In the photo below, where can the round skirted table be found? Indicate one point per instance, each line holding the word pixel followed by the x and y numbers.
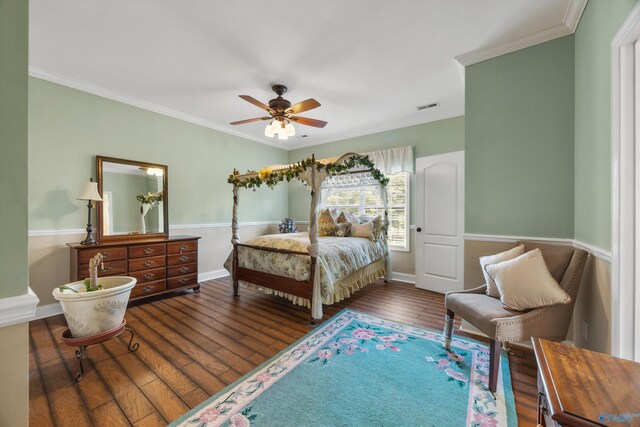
pixel 84 342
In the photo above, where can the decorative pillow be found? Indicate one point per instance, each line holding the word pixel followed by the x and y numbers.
pixel 342 219
pixel 362 230
pixel 351 218
pixel 492 290
pixel 364 218
pixel 377 226
pixel 525 282
pixel 343 229
pixel 326 225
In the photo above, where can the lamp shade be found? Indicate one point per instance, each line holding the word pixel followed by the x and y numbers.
pixel 90 192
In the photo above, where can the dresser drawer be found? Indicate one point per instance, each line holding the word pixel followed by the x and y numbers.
pixel 137 264
pixel 148 288
pixel 108 268
pixel 182 247
pixel 176 282
pixel 180 270
pixel 147 250
pixel 178 259
pixel 109 254
pixel 144 276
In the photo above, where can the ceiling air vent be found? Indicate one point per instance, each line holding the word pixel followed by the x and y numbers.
pixel 427 106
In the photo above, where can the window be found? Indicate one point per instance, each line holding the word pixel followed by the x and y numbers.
pixel 365 200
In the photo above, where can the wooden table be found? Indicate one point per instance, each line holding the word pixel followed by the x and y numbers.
pixel 578 387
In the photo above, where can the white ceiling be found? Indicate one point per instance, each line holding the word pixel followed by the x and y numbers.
pixel 368 62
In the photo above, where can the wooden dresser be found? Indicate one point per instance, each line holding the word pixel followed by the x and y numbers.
pixel 580 388
pixel 159 265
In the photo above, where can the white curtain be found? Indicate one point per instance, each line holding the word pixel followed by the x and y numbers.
pixel 393 160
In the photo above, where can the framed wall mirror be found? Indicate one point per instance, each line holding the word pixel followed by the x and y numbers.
pixel 135 204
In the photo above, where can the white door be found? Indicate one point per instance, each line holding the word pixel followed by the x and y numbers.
pixel 440 222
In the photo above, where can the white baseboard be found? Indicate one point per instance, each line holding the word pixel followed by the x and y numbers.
pixel 403 277
pixel 48 310
pixel 210 275
pixel 18 309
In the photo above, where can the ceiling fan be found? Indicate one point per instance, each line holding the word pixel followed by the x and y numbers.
pixel 281 114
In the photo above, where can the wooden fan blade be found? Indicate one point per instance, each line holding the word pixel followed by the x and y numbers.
pixel 255 102
pixel 306 105
pixel 309 122
pixel 257 119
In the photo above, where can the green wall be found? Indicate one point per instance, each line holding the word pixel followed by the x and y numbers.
pixel 599 24
pixel 68 128
pixel 13 146
pixel 519 168
pixel 427 139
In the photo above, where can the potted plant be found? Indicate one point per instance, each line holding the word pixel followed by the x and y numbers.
pixel 93 306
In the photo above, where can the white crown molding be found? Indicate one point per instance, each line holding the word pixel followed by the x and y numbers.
pixel 139 103
pixel 574 12
pixel 18 309
pixel 495 238
pixel 572 16
pixel 76 231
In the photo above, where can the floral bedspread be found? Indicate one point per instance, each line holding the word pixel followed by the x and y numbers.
pixel 339 257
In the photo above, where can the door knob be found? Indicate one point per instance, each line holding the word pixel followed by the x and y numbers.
pixel 419 229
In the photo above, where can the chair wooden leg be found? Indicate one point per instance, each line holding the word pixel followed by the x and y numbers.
pixel 494 364
pixel 448 329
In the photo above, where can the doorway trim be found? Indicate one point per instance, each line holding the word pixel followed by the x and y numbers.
pixel 625 167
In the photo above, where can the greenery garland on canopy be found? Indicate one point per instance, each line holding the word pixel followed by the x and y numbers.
pixel 272 178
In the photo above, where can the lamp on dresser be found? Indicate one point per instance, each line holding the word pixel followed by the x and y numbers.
pixel 90 194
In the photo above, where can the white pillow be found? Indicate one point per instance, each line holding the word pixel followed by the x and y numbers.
pixel 362 230
pixel 525 282
pixel 492 290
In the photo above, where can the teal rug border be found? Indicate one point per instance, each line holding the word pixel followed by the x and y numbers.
pixel 504 361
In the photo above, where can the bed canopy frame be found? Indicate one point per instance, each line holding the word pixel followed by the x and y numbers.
pixel 313 173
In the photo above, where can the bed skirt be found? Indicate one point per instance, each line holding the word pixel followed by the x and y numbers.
pixel 342 289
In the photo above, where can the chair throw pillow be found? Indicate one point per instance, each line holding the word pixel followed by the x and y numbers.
pixel 525 282
pixel 326 225
pixel 362 230
pixel 492 290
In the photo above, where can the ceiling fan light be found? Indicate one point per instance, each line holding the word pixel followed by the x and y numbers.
pixel 269 131
pixel 282 136
pixel 290 130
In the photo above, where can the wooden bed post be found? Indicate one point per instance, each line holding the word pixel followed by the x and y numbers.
pixel 235 239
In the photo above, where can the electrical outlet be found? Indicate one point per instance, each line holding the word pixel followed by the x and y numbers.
pixel 585 330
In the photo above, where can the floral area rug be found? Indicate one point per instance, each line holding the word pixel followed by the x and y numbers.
pixel 360 370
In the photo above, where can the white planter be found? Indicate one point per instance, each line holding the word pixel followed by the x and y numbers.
pixel 91 313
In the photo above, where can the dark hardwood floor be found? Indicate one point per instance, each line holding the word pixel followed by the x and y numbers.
pixel 193 345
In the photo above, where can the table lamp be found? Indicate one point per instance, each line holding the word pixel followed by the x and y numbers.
pixel 90 194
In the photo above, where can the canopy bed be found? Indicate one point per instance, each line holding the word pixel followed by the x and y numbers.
pixel 308 269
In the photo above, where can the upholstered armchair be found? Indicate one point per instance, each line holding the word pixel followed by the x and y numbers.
pixel 500 324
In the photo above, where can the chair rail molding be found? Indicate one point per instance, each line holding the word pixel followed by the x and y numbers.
pixel 594 250
pixel 73 231
pixel 18 309
pixel 625 170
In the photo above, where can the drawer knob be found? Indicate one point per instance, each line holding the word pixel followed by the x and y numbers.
pixel 184 269
pixel 183 247
pixel 148 263
pixel 184 258
pixel 147 288
pixel 183 281
pixel 106 268
pixel 148 276
pixel 106 254
pixel 148 251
